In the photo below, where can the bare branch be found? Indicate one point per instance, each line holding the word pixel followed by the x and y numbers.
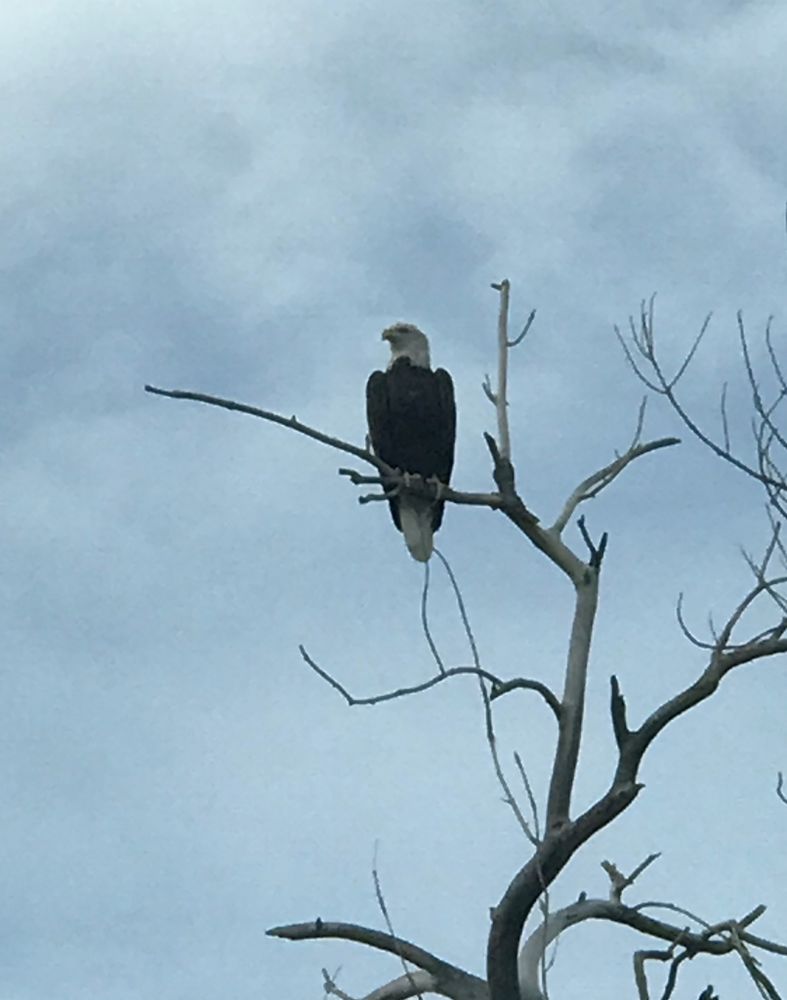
pixel 758 570
pixel 644 342
pixel 501 395
pixel 666 955
pixel 699 643
pixel 425 622
pixel 499 688
pixel 617 710
pixel 291 422
pixel 687 361
pixel 724 422
pixel 512 506
pixel 330 987
pixel 710 940
pixel 389 477
pixel 399 692
pixel 420 487
pixel 573 701
pixel 642 866
pixel 619 881
pixel 523 334
pixel 530 796
pixel 509 796
pixel 774 358
pixel 593 484
pixel 761 587
pixel 765 412
pixel 449 979
pixel 486 385
pixel 720 664
pixel 358 479
pixel 775 527
pixel 780 788
pixel 378 892
pixel 674 908
pixel 413 984
pixel 596 551
pixel 564 836
pixel 526 684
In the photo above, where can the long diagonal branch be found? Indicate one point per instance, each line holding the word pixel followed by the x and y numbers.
pixel 291 422
pixel 388 476
pixel 453 981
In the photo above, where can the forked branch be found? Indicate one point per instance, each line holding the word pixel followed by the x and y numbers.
pixel 720 938
pixel 498 397
pixel 768 434
pixel 593 484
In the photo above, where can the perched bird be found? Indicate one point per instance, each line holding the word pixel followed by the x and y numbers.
pixel 412 425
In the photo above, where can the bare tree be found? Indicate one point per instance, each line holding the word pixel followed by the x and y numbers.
pixel 516 969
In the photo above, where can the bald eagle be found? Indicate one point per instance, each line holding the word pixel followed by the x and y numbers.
pixel 412 425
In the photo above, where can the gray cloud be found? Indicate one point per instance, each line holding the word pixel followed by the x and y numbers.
pixel 237 200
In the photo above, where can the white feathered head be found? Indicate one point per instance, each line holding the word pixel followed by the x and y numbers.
pixel 407 341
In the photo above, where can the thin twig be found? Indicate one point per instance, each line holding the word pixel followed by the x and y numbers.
pixel 774 357
pixel 330 987
pixel 510 798
pixel 699 643
pixel 620 882
pixel 724 422
pixel 523 334
pixel 425 622
pixel 687 360
pixel 644 342
pixel 399 692
pixel 378 892
pixel 529 792
pixel 527 684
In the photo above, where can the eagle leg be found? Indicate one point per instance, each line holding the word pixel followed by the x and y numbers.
pixel 411 478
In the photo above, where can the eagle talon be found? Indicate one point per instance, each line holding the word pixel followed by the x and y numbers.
pixel 439 486
pixel 394 491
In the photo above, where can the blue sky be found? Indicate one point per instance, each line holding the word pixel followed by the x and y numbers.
pixel 236 200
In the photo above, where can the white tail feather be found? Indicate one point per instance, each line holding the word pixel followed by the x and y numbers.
pixel 416 521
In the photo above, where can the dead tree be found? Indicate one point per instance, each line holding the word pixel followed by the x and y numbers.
pixel 516 968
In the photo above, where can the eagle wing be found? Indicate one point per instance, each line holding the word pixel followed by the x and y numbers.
pixel 445 436
pixel 379 421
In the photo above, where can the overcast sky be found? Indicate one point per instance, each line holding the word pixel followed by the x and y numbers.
pixel 236 198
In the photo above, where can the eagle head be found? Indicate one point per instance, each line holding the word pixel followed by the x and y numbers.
pixel 407 341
